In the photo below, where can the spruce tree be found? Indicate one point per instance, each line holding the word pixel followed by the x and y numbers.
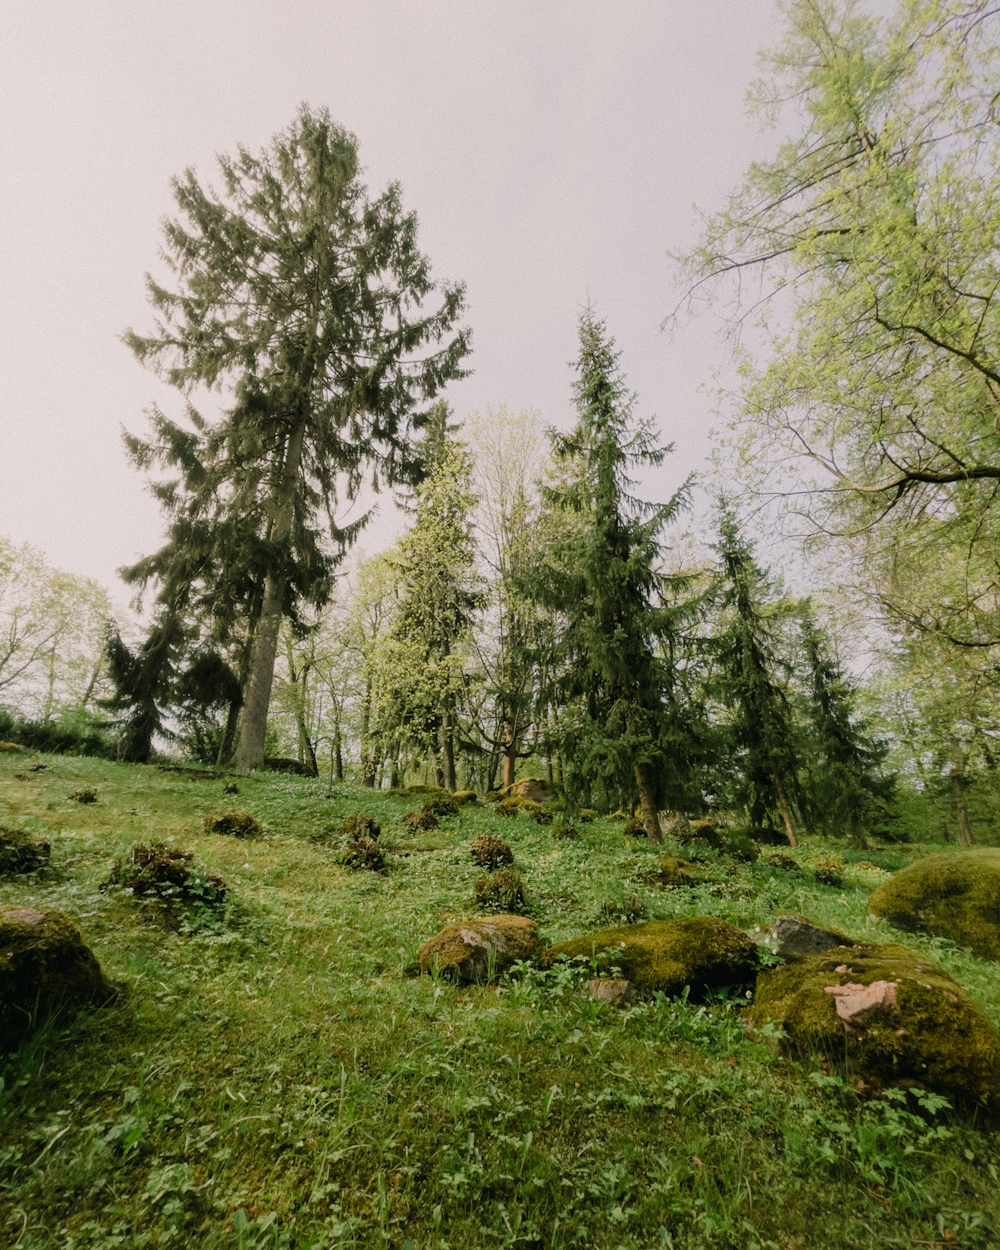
pixel 623 728
pixel 849 787
pixel 303 298
pixel 763 731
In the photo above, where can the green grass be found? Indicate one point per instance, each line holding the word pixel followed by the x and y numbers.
pixel 277 1079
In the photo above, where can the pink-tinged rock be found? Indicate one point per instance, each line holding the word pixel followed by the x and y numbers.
pixel 856 1004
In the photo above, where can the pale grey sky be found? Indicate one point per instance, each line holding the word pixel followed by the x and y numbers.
pixel 553 151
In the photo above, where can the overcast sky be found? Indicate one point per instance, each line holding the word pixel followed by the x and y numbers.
pixel 552 149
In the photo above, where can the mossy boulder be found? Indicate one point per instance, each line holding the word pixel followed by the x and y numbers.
pixel 233 824
pixel 45 965
pixel 886 1017
pixel 701 952
pixel 954 895
pixel 675 871
pixel 464 797
pixel 10 748
pixel 480 950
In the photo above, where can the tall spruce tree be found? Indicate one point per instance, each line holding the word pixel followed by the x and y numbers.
pixel 850 790
pixel 763 729
pixel 604 579
pixel 302 297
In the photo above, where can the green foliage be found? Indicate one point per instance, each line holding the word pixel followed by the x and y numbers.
pixel 165 873
pixel 21 853
pixel 489 851
pixel 501 891
pixel 624 727
pixel 362 852
pixel 361 824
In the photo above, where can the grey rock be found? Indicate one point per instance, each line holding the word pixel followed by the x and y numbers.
pixel 620 994
pixel 791 936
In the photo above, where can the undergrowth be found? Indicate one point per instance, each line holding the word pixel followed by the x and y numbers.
pixel 274 1077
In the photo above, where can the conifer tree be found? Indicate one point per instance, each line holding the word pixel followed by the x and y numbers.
pixel 848 785
pixel 603 577
pixel 763 730
pixel 438 595
pixel 303 298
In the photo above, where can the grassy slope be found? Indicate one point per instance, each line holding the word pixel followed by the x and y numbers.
pixel 280 1081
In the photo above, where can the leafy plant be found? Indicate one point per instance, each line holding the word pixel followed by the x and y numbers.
pixel 501 891
pixel 165 873
pixel 490 852
pixel 361 825
pixel 21 853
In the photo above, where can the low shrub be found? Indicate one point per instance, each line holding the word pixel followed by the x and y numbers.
pixel 232 824
pixel 542 816
pixel 165 873
pixel 362 853
pixel 741 847
pixel 83 796
pixel 361 825
pixel 501 891
pixel 423 820
pixel 828 869
pixel 634 828
pixel 780 860
pixel 57 737
pixel 21 853
pixel 442 805
pixel 586 815
pixel 565 831
pixel 623 910
pixel 489 851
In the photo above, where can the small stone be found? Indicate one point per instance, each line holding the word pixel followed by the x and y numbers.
pixel 620 994
pixel 856 1004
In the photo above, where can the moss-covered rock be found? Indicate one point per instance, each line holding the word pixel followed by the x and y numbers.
pixel 480 950
pixel 675 871
pixel 20 852
pixel 954 895
pixel 701 952
pixel 464 797
pixel 233 824
pixel 44 965
pixel 10 748
pixel 885 1016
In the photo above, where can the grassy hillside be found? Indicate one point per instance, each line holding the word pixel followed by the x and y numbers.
pixel 277 1077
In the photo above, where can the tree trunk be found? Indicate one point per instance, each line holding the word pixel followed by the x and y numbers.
pixel 650 820
pixel 338 752
pixel 786 814
pixel 448 748
pixel 253 722
pixel 509 746
pixel 958 785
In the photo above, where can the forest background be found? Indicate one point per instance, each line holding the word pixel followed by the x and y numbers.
pixel 858 694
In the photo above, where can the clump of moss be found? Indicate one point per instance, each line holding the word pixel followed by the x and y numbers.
pixel 424 820
pixel 703 832
pixel 233 824
pixel 21 853
pixel 443 805
pixel 361 825
pixel 783 861
pixel 565 831
pixel 954 895
pixel 742 847
pixel 634 828
pixel 501 891
pixel 927 1033
pixel 697 952
pixel 45 966
pixel 464 797
pixel 11 748
pixel 362 853
pixel 586 815
pixel 510 806
pixel 542 816
pixel 676 872
pixel 83 796
pixel 491 852
pixel 165 873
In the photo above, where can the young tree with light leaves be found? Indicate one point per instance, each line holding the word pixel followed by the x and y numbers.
pixel 863 257
pixel 308 303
